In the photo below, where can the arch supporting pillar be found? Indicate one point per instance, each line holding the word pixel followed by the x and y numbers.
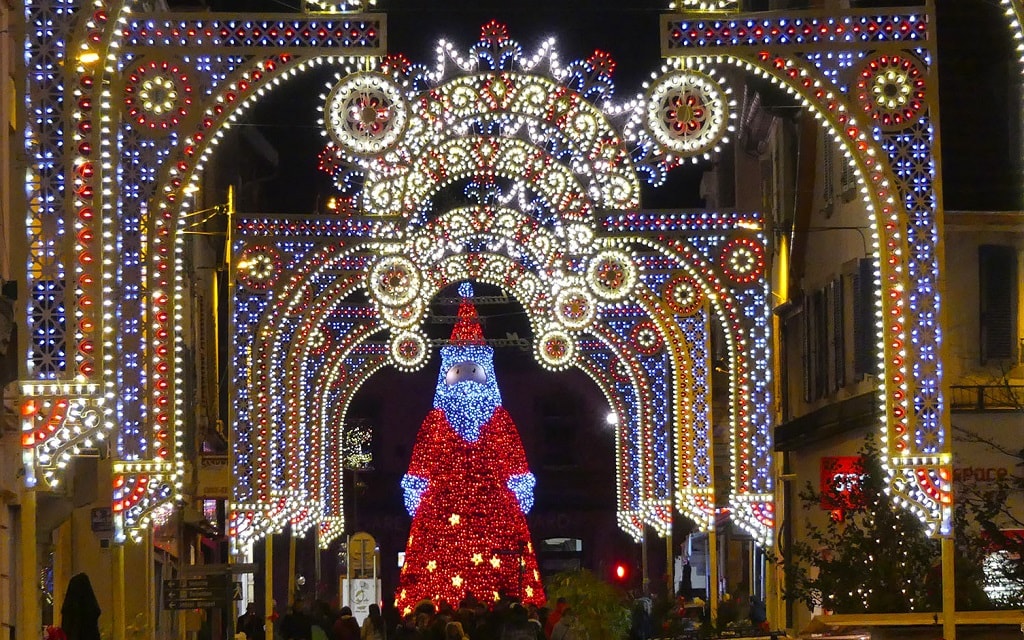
pixel 30 620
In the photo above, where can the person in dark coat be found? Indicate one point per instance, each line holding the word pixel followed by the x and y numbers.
pixel 251 624
pixel 80 613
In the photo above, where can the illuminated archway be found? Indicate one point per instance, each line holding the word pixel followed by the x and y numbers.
pixel 148 98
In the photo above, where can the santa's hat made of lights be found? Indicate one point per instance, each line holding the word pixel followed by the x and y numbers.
pixel 468 345
pixel 467 330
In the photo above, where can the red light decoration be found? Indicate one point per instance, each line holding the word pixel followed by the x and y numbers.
pixel 469 531
pixel 469 534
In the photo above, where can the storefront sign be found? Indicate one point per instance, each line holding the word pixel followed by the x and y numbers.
pixel 841 482
pixel 214 477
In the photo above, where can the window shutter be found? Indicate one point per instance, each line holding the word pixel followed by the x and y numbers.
pixel 838 335
pixel 807 359
pixel 865 333
pixel 997 293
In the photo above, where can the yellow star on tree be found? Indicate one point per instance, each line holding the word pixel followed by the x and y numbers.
pixel 495 562
pixel 454 519
pixel 457 580
pixel 431 566
pixel 497 597
pixel 529 591
pixel 478 558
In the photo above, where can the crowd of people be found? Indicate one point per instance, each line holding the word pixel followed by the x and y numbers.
pixel 472 619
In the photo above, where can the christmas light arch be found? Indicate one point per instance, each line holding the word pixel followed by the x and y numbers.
pixel 107 199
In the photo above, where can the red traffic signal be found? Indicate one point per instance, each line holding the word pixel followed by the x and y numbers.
pixel 621 572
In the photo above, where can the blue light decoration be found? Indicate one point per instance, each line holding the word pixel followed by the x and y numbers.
pixel 413 488
pixel 522 485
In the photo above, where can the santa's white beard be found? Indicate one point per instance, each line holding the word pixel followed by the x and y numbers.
pixel 468 406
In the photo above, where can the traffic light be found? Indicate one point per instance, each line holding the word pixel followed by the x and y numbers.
pixel 621 572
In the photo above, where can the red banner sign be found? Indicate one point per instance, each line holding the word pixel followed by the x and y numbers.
pixel 841 482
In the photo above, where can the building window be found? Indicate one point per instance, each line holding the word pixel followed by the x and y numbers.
pixel 997 300
pixel 825 322
pixel 865 333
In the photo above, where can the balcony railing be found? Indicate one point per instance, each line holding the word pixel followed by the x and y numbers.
pixel 996 397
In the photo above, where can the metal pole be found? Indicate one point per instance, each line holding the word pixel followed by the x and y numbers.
pixel 713 572
pixel 316 561
pixel 117 579
pixel 30 620
pixel 61 567
pixel 670 567
pixel 291 565
pixel 268 584
pixel 645 582
pixel 948 589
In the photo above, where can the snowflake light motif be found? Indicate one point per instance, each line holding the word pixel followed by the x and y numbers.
pixel 555 350
pixel 409 350
pixel 394 281
pixel 574 308
pixel 646 338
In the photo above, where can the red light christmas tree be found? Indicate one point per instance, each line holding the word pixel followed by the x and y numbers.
pixel 468 488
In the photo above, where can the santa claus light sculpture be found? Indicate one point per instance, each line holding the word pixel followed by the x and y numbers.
pixel 468 488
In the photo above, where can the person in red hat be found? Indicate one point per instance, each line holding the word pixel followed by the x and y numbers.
pixel 468 488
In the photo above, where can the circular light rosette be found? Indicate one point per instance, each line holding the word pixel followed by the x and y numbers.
pixel 157 96
pixel 555 350
pixel 575 308
pixel 618 370
pixel 365 114
pixel 683 295
pixel 687 113
pixel 259 267
pixel 612 275
pixel 394 281
pixel 646 338
pixel 409 350
pixel 320 342
pixel 891 90
pixel 403 317
pixel 742 260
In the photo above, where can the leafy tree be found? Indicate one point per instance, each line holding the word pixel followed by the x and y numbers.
pixel 870 557
pixel 600 607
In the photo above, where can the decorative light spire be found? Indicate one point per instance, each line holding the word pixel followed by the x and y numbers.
pixel 467 330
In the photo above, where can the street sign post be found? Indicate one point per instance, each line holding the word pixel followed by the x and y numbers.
pixel 201 592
